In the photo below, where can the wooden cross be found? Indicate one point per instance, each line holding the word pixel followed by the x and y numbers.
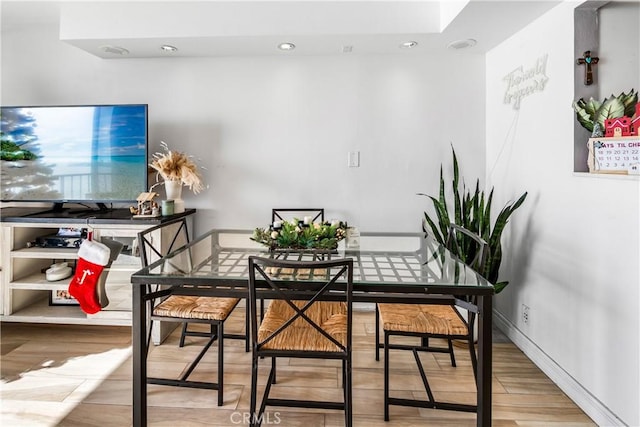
pixel 588 61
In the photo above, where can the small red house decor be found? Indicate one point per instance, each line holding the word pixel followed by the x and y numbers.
pixel 634 128
pixel 619 126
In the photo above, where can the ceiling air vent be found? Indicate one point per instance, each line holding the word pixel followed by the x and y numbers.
pixel 461 44
pixel 116 50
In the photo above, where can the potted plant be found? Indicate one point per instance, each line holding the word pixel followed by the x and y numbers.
pixel 176 166
pixel 592 114
pixel 473 212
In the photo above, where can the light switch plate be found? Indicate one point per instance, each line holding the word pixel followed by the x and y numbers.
pixel 353 159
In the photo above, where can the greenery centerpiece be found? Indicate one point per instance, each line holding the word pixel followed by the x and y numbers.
pixel 301 234
pixel 473 212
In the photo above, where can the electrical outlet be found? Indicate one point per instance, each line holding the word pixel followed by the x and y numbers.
pixel 525 313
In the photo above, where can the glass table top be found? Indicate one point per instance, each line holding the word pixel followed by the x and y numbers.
pixel 391 259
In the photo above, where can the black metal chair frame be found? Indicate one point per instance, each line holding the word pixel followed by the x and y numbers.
pixel 462 240
pixel 261 284
pixel 277 214
pixel 217 327
pixel 143 243
pixel 457 239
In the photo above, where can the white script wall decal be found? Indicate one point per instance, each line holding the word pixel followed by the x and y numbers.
pixel 522 83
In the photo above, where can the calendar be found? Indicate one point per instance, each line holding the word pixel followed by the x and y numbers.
pixel 614 155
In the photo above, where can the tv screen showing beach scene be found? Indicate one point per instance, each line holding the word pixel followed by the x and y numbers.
pixel 92 153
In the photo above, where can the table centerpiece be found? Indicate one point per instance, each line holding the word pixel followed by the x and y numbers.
pixel 301 234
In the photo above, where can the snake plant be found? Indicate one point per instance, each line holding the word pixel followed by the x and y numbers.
pixel 473 212
pixel 591 113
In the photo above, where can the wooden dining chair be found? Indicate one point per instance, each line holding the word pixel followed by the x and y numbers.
pixel 310 316
pixel 426 321
pixel 167 307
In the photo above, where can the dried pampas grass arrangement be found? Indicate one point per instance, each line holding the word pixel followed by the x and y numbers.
pixel 177 166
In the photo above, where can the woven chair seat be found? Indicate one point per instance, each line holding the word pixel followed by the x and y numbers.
pixel 300 335
pixel 193 307
pixel 300 273
pixel 422 318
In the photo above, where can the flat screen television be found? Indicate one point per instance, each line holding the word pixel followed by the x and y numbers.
pixel 80 153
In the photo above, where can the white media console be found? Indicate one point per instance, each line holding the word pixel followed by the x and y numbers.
pixel 25 293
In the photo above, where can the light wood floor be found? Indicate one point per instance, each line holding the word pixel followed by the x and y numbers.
pixel 81 376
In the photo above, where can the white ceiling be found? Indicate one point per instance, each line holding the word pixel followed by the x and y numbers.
pixel 232 28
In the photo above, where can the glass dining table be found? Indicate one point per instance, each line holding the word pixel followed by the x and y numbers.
pixel 388 267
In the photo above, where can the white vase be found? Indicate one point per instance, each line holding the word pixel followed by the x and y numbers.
pixel 173 190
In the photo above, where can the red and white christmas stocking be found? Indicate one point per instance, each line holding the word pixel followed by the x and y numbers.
pixel 92 257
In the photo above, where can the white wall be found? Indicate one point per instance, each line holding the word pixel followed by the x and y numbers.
pixel 619 69
pixel 275 131
pixel 573 249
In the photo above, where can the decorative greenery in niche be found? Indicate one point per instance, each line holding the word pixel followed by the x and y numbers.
pixel 473 212
pixel 592 114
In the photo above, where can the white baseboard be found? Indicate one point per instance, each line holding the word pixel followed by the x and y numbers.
pixel 593 407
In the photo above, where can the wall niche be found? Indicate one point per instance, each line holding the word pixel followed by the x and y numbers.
pixel 610 30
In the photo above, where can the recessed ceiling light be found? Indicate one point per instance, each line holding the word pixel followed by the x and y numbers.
pixel 286 46
pixel 461 44
pixel 116 50
pixel 168 48
pixel 409 44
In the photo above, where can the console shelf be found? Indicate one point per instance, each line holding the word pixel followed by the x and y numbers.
pixel 38 281
pixel 45 253
pixel 41 312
